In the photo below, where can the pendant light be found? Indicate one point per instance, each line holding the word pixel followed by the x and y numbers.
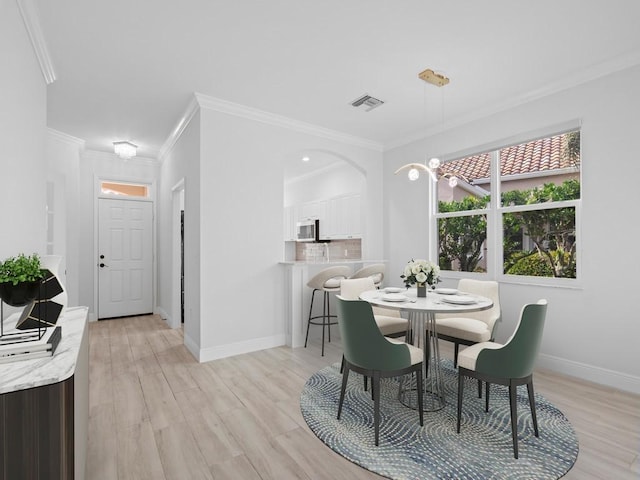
pixel 433 168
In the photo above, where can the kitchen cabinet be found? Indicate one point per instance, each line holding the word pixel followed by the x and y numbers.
pixel 343 219
pixel 314 210
pixel 290 220
pixel 297 213
pixel 340 217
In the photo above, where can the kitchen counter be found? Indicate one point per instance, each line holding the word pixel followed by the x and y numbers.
pixel 298 295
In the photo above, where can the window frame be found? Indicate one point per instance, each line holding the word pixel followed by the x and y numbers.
pixel 495 211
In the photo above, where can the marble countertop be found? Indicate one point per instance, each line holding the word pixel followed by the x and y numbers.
pixel 24 374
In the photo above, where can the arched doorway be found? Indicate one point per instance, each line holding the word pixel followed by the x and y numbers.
pixel 324 185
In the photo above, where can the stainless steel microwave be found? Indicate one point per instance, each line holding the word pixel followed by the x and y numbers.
pixel 308 231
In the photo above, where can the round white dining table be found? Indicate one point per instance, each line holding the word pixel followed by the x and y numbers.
pixel 422 319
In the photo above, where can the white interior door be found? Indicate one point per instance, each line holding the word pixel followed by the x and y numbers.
pixel 125 257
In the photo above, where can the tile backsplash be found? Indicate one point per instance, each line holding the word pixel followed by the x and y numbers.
pixel 337 250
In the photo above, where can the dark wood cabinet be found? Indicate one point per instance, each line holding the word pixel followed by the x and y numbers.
pixel 43 430
pixel 37 428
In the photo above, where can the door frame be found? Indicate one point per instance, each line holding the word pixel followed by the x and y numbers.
pixel 98 179
pixel 177 191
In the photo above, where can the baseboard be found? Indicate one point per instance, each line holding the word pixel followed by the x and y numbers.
pixel 229 350
pixel 192 347
pixel 603 376
pixel 164 315
pixel 92 317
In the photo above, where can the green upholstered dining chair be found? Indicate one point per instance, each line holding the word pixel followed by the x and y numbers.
pixel 371 354
pixel 390 322
pixel 510 364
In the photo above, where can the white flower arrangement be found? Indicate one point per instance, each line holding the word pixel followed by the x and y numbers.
pixel 420 272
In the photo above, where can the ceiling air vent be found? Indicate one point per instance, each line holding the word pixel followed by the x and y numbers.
pixel 368 101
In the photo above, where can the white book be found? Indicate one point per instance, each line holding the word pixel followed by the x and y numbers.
pixel 16 342
pixel 25 356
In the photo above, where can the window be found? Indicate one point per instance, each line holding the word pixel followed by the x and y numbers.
pixel 531 231
pixel 124 189
pixel 462 213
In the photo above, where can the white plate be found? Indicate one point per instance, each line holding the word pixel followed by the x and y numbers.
pixel 446 291
pixel 393 290
pixel 459 299
pixel 394 297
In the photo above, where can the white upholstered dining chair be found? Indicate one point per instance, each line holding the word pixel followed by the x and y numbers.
pixel 375 272
pixel 389 322
pixel 473 327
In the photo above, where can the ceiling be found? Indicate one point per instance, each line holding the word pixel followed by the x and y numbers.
pixel 127 70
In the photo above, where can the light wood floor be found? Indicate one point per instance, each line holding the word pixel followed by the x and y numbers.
pixel 155 413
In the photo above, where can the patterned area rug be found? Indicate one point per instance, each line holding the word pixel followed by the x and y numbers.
pixel 483 449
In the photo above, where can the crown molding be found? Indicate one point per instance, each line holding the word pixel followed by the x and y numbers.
pixel 32 24
pixel 211 103
pixel 171 141
pixel 230 108
pixel 586 75
pixel 63 137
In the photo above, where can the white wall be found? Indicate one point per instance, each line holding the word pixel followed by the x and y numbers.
pixel 63 169
pixel 182 163
pixel 592 331
pixel 241 218
pixel 337 180
pixel 94 165
pixel 22 134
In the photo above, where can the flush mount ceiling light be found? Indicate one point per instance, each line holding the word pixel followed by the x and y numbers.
pixel 368 101
pixel 305 158
pixel 125 150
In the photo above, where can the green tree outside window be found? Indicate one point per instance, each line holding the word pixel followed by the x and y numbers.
pixel 551 231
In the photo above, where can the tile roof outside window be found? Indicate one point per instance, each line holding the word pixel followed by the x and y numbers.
pixel 544 154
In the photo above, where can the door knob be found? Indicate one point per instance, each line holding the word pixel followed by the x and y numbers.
pixel 102 265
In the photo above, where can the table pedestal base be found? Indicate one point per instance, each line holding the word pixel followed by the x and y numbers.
pixel 422 326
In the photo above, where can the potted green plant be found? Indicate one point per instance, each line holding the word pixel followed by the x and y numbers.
pixel 20 278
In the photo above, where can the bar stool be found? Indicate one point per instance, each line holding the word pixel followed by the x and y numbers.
pixel 327 281
pixel 375 271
